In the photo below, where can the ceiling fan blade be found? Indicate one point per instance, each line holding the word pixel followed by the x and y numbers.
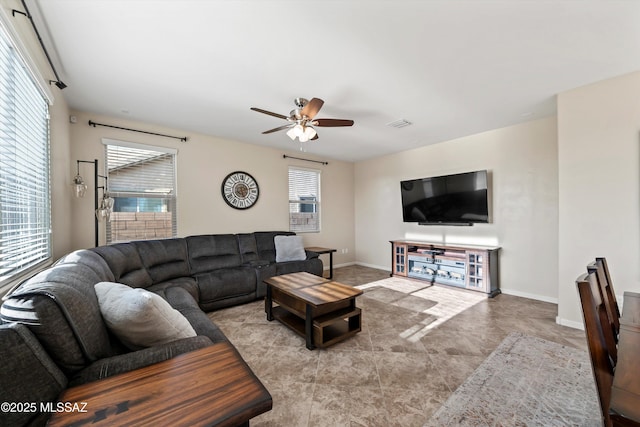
pixel 279 128
pixel 332 122
pixel 311 109
pixel 260 110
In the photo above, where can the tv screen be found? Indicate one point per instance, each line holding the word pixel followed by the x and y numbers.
pixel 457 199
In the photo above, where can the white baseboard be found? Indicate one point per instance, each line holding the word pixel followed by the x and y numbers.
pixel 345 264
pixel 377 267
pixel 570 323
pixel 528 295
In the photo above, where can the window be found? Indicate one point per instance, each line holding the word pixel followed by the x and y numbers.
pixel 141 180
pixel 304 200
pixel 25 207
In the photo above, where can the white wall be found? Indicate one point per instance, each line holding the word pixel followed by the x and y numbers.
pixel 599 189
pixel 522 162
pixel 202 163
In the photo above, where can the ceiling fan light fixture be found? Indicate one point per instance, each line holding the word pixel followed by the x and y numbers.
pixel 309 132
pixel 298 130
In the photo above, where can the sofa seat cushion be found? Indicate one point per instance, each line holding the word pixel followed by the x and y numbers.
pixel 189 284
pixel 140 318
pixel 182 301
pixel 225 283
pixel 110 366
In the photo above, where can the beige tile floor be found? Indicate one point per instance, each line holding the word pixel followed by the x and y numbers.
pixel 400 368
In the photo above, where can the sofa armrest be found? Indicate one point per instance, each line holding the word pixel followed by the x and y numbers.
pixel 110 366
pixel 311 254
pixel 28 376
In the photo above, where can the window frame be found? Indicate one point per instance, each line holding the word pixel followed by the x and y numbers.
pixel 172 196
pixel 316 204
pixel 22 74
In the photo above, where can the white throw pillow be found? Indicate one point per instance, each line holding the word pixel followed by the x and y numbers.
pixel 289 248
pixel 140 318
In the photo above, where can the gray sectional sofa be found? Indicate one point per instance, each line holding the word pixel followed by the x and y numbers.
pixel 53 334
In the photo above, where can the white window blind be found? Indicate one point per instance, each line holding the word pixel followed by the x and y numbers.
pixel 25 213
pixel 142 184
pixel 304 200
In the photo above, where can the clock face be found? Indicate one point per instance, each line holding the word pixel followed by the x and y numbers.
pixel 240 190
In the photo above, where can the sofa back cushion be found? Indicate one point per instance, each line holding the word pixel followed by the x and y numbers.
pixel 164 259
pixel 126 265
pixel 211 252
pixel 265 243
pixel 248 247
pixel 60 307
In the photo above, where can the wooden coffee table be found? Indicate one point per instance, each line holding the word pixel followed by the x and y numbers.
pixel 212 386
pixel 322 311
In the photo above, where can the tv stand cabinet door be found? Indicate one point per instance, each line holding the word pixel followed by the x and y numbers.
pixel 482 271
pixel 477 279
pixel 399 261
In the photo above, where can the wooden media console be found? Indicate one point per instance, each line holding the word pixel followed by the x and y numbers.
pixel 468 267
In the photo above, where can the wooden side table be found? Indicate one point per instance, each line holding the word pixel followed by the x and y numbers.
pixel 212 386
pixel 321 251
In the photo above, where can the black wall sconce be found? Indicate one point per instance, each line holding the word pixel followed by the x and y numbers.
pixel 102 207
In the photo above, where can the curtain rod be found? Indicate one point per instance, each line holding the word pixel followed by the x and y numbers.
pixel 284 156
pixel 57 82
pixel 94 124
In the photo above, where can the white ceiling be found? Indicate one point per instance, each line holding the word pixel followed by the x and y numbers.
pixel 452 68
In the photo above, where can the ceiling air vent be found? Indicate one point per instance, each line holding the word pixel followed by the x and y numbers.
pixel 400 123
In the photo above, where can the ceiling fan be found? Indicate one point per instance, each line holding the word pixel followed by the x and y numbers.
pixel 301 120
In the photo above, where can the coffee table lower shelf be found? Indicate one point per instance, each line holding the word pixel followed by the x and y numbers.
pixel 328 329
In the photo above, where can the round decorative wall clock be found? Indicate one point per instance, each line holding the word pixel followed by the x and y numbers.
pixel 240 190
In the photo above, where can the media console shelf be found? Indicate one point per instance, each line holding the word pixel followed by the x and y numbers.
pixel 468 267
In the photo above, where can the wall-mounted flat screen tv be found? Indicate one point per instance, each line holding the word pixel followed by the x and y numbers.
pixel 450 199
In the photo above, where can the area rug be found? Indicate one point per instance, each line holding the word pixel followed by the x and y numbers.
pixel 526 381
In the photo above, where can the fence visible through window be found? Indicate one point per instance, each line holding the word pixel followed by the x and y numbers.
pixel 142 184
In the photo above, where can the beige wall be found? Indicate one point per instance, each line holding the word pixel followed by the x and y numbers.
pixel 61 215
pixel 522 163
pixel 599 189
pixel 202 164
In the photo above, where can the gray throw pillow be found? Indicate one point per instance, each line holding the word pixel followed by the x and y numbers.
pixel 289 248
pixel 140 318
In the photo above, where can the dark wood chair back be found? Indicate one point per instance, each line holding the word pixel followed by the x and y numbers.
pixel 597 327
pixel 605 285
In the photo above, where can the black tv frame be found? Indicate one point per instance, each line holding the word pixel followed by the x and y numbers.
pixel 444 222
